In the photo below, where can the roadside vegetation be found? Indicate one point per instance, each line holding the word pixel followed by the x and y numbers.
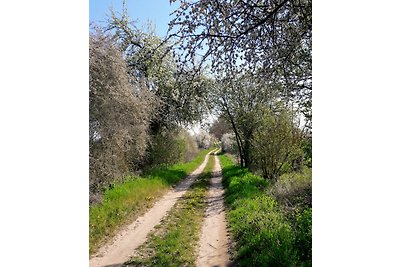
pixel 271 223
pixel 138 105
pixel 252 73
pixel 125 201
pixel 173 243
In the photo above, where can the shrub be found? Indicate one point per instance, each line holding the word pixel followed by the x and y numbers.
pixel 275 143
pixel 294 190
pixel 303 235
pixel 307 148
pixel 204 140
pixel 119 115
pixel 294 194
pixel 228 142
pixel 191 146
pixel 170 147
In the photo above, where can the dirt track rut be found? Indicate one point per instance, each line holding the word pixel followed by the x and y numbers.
pixel 213 245
pixel 120 249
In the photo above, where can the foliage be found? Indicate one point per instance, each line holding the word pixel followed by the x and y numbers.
pixel 174 242
pixel 169 147
pixel 260 54
pixel 203 139
pixel 240 100
pixel 276 142
pixel 135 99
pixel 307 148
pixel 294 195
pixel 303 235
pixel 127 200
pixel 151 62
pixel 191 149
pixel 264 234
pixel 269 39
pixel 220 127
pixel 119 115
pixel 293 190
pixel 227 142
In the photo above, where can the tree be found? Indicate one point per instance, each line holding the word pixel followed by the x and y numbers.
pixel 277 141
pixel 204 140
pixel 219 128
pixel 269 39
pixel 239 100
pixel 259 53
pixel 119 115
pixel 151 62
pixel 171 146
pixel 227 142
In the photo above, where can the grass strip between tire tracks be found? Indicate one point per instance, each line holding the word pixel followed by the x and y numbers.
pixel 174 241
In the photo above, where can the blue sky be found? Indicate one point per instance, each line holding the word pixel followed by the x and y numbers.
pixel 142 11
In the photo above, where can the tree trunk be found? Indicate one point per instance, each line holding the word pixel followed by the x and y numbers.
pixel 237 136
pixel 246 154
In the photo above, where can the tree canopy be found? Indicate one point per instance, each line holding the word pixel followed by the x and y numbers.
pixel 269 39
pixel 248 62
pixel 259 54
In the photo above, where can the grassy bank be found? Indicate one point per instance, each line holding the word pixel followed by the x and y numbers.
pixel 126 201
pixel 267 232
pixel 173 243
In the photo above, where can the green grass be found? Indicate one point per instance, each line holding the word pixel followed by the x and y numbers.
pixel 293 192
pixel 264 235
pixel 128 200
pixel 173 243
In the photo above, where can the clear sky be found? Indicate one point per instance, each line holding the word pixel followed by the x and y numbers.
pixel 142 11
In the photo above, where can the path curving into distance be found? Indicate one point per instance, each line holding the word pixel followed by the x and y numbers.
pixel 120 249
pixel 213 244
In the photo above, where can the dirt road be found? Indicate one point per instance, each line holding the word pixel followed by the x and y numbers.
pixel 213 249
pixel 126 241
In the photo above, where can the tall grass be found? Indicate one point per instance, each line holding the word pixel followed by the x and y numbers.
pixel 293 190
pixel 264 235
pixel 128 200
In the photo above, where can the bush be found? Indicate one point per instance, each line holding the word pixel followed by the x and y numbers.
pixel 228 142
pixel 303 235
pixel 191 146
pixel 276 144
pixel 294 190
pixel 307 148
pixel 204 140
pixel 170 147
pixel 119 116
